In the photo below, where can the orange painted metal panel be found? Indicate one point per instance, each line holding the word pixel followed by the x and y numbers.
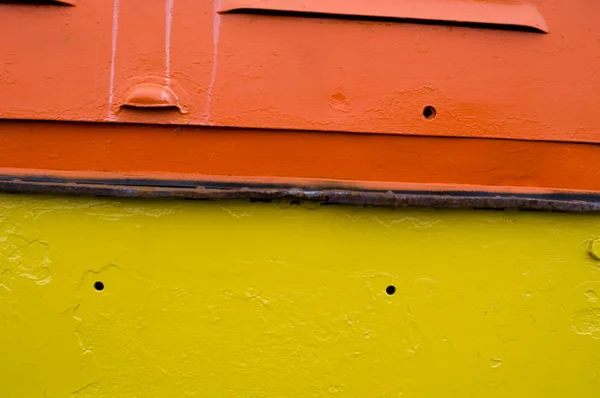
pixel 55 60
pixel 500 14
pixel 310 158
pixel 351 70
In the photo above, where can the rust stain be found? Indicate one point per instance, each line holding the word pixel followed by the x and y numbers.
pixel 473 200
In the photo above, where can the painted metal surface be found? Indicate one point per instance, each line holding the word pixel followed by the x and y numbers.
pixel 186 155
pixel 477 14
pixel 243 69
pixel 387 95
pixel 120 298
pixel 451 103
pixel 161 189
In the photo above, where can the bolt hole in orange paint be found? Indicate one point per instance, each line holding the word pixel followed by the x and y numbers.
pixel 429 112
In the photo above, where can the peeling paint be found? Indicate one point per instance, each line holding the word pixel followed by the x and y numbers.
pixel 587 322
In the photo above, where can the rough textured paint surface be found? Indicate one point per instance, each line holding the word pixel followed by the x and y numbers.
pixel 234 299
pixel 339 73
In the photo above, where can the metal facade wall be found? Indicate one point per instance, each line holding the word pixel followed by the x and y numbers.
pixel 231 298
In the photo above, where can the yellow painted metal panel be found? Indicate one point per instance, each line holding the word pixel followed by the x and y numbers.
pixel 233 299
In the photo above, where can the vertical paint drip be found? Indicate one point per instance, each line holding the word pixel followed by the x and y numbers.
pixel 169 18
pixel 115 32
pixel 216 35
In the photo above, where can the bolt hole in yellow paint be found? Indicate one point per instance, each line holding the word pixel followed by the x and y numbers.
pixel 236 299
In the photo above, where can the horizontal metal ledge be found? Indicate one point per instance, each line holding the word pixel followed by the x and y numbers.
pixel 451 200
pixel 523 16
pixel 40 2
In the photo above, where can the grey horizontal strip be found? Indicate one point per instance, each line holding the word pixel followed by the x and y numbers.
pixel 198 190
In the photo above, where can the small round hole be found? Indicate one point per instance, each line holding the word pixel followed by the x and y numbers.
pixel 391 289
pixel 429 112
pixel 99 286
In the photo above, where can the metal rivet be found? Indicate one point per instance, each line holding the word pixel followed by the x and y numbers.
pixel 594 249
